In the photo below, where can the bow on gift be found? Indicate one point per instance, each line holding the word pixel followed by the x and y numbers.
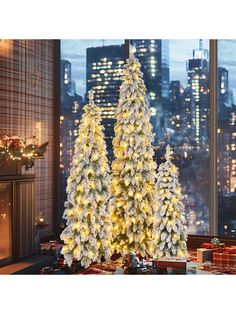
pixel 215 244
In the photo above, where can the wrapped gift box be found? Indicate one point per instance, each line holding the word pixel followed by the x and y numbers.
pixel 171 262
pixel 224 259
pixel 171 265
pixel 204 255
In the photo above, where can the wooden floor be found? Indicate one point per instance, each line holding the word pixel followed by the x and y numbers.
pixel 30 265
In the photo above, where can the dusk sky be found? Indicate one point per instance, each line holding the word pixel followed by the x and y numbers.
pixel 180 51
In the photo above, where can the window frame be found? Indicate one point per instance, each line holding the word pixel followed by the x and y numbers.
pixel 213 147
pixel 213 141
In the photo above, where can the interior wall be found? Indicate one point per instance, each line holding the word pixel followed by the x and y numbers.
pixel 27 102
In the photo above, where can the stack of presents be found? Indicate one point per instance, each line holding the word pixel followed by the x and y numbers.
pixel 216 254
pixel 213 257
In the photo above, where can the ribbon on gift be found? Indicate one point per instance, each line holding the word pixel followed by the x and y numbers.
pixel 230 249
pixel 211 246
pixel 206 245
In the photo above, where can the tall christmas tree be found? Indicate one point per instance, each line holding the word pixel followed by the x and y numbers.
pixel 170 225
pixel 86 236
pixel 133 181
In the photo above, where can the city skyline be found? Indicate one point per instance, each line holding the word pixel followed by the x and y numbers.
pixel 75 51
pixel 166 118
pixel 183 113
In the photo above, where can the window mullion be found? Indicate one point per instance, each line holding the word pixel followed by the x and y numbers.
pixel 213 215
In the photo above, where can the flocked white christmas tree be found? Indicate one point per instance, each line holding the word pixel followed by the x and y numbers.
pixel 86 236
pixel 133 179
pixel 170 225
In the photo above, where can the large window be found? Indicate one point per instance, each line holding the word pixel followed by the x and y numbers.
pixel 177 75
pixel 226 90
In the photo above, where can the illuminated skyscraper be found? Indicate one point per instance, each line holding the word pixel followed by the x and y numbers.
pixel 175 111
pixel 187 116
pixel 154 58
pixel 66 82
pixel 71 105
pixel 223 90
pixel 104 71
pixel 233 151
pixel 198 70
pixel 227 150
pixel 176 94
pixel 70 114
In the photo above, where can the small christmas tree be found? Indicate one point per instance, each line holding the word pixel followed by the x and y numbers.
pixel 170 225
pixel 133 180
pixel 86 236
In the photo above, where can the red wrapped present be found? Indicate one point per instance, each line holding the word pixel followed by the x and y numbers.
pixel 170 265
pixel 170 262
pixel 224 259
pixel 213 247
pixel 230 249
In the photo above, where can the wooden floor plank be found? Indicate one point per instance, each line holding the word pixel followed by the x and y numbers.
pixel 32 265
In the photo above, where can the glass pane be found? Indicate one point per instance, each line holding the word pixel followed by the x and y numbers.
pixel 5 221
pixel 176 74
pixel 227 137
pixel 87 64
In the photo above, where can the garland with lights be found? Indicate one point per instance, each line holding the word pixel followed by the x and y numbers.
pixel 87 234
pixel 13 148
pixel 134 170
pixel 170 225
